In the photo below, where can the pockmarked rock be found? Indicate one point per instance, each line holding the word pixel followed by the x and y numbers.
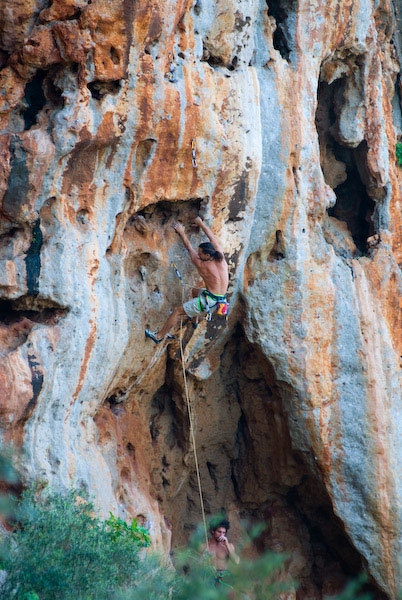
pixel 276 122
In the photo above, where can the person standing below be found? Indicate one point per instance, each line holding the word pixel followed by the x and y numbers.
pixel 221 550
pixel 211 265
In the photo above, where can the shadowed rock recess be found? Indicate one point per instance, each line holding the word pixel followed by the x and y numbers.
pixel 276 121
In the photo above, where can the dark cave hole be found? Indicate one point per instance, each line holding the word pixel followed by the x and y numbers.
pixel 36 380
pixel 7 237
pixel 12 311
pixel 114 56
pixel 306 499
pixel 4 56
pixel 282 10
pixel 197 7
pixel 130 449
pixel 116 398
pixel 75 16
pixel 323 526
pixel 213 61
pixel 82 217
pixel 278 251
pixel 52 91
pixel 217 61
pixel 99 89
pixel 34 99
pixel 181 210
pixel 354 206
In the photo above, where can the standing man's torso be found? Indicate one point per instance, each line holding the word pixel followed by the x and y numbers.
pixel 220 555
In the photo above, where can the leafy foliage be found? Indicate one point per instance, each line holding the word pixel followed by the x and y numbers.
pixel 398 151
pixel 61 550
pixel 136 533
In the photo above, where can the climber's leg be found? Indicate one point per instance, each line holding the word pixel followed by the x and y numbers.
pixel 177 312
pixel 158 336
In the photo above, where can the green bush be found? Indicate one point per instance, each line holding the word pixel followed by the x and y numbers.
pixel 61 550
pixel 136 533
pixel 398 151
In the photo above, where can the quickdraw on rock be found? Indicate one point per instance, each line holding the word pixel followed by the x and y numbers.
pixel 193 154
pixel 171 73
pixel 177 273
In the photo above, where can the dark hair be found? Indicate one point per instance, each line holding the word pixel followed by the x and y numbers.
pixel 209 248
pixel 215 524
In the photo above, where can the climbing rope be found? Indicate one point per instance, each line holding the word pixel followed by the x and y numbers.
pixel 191 415
pixel 191 412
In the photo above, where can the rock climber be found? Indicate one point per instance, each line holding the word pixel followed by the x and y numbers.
pixel 212 267
pixel 221 550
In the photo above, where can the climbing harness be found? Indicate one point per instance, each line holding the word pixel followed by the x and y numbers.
pixel 220 308
pixel 193 154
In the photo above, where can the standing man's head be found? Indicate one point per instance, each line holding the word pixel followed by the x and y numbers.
pixel 219 528
pixel 206 251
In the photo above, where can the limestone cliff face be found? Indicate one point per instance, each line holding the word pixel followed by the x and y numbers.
pixel 277 121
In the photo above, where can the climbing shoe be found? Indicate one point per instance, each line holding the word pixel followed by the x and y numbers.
pixel 150 334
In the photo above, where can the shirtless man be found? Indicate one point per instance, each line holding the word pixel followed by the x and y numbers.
pixel 221 550
pixel 212 266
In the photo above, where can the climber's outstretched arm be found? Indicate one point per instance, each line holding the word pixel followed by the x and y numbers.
pixel 178 227
pixel 212 237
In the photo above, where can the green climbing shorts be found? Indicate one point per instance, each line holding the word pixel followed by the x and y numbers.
pixel 223 577
pixel 196 306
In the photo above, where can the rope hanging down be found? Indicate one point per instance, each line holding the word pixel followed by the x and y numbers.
pixel 191 413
